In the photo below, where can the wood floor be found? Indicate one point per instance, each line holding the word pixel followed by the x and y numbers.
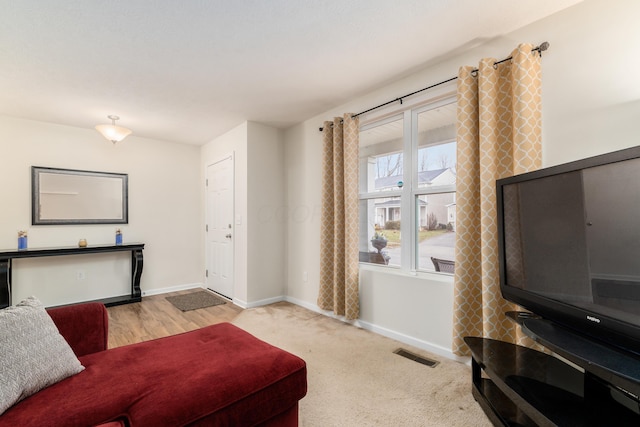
pixel 155 317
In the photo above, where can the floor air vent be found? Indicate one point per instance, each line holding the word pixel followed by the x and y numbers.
pixel 407 354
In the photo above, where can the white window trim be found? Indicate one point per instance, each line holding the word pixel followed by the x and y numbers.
pixel 409 113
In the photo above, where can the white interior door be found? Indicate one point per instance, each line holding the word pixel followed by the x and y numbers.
pixel 219 227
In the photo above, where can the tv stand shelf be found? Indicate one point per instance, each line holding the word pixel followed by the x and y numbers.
pixel 518 386
pixel 615 367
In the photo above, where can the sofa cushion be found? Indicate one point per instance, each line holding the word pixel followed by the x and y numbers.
pixel 33 353
pixel 219 373
pixel 84 326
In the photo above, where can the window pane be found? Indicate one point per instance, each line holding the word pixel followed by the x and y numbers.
pixel 396 169
pixel 436 216
pixel 381 158
pixel 380 231
pixel 436 144
pixel 436 167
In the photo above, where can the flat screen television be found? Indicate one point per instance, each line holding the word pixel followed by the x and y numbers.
pixel 569 245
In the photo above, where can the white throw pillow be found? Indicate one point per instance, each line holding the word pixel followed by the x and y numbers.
pixel 33 354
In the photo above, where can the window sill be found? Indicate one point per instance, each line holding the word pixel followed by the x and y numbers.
pixel 397 271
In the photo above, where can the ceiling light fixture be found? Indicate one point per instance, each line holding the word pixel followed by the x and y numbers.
pixel 113 132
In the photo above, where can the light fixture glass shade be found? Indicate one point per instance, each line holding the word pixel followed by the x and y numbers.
pixel 113 132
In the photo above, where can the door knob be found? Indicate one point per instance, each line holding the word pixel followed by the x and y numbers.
pixel 228 236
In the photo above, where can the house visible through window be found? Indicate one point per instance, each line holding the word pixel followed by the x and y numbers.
pixel 407 189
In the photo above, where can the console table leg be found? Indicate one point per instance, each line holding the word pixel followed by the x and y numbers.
pixel 136 272
pixel 5 282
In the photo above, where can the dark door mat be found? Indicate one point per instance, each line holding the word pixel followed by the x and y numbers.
pixel 195 300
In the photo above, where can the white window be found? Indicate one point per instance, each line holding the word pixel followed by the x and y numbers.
pixel 407 188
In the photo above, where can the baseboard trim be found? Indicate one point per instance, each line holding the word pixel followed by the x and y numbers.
pixel 240 303
pixel 400 337
pixel 304 304
pixel 259 303
pixel 406 339
pixel 159 291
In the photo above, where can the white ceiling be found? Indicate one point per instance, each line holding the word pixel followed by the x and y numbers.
pixel 190 70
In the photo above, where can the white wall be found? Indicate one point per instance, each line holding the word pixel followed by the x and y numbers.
pixel 590 106
pixel 233 142
pixel 259 230
pixel 265 204
pixel 591 97
pixel 163 202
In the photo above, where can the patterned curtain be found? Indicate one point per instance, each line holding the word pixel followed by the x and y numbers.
pixel 339 229
pixel 498 135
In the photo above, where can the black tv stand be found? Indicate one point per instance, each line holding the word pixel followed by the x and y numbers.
pixel 614 367
pixel 518 386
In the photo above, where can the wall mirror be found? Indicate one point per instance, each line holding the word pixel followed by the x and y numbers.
pixel 66 196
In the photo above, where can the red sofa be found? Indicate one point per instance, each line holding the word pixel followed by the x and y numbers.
pixel 215 376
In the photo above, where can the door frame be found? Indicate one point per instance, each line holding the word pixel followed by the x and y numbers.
pixel 221 158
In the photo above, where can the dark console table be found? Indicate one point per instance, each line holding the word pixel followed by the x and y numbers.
pixel 6 258
pixel 518 386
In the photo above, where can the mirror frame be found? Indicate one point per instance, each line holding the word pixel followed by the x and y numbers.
pixel 35 197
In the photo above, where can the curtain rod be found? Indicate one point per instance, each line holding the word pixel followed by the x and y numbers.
pixel 541 48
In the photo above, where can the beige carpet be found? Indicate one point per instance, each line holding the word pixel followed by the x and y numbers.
pixel 355 379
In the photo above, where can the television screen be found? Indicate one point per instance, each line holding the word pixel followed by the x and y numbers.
pixel 570 245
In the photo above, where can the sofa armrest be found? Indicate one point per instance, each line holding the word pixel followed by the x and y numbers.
pixel 84 326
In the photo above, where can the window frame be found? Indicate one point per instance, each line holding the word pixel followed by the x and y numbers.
pixel 409 262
